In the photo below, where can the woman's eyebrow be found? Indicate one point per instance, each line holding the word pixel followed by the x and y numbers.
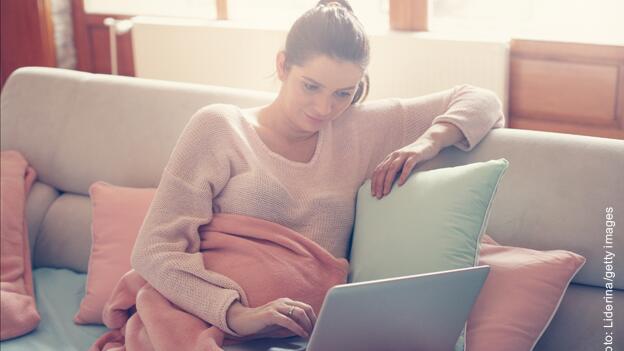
pixel 321 85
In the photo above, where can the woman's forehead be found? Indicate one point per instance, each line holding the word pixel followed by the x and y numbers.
pixel 330 73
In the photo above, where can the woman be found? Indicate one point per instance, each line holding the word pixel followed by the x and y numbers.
pixel 297 161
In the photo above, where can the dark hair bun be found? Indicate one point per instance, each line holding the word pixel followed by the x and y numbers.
pixel 339 3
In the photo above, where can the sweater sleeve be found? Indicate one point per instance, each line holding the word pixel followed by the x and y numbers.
pixel 166 252
pixel 398 122
pixel 475 111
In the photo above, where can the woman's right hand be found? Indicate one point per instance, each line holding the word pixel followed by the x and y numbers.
pixel 271 317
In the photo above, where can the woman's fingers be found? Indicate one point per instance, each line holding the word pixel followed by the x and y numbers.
pixel 285 315
pixel 301 317
pixel 379 176
pixel 282 316
pixel 374 178
pixel 403 161
pixel 307 310
pixel 391 174
pixel 298 315
pixel 408 166
pixel 385 174
pixel 288 323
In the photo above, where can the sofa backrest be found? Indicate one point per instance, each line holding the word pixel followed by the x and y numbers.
pixel 76 128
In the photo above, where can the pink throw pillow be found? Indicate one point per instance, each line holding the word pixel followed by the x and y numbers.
pixel 117 215
pixel 520 296
pixel 19 313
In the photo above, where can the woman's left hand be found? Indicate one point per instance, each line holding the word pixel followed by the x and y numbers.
pixel 402 160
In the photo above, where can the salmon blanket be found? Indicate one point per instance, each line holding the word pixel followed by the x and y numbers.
pixel 18 307
pixel 267 261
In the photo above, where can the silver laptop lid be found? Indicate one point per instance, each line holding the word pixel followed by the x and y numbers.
pixel 416 312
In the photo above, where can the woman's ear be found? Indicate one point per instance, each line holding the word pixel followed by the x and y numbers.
pixel 280 65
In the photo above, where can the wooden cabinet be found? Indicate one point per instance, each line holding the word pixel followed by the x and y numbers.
pixel 567 87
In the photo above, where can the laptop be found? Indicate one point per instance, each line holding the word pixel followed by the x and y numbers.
pixel 415 312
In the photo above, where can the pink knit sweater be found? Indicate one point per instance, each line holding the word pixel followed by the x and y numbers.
pixel 219 164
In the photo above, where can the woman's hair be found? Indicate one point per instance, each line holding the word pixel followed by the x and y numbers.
pixel 330 28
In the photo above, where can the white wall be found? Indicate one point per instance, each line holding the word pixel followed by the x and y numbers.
pixel 228 54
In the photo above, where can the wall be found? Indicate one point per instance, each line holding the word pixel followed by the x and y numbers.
pixel 230 54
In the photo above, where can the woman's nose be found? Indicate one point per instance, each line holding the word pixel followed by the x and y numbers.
pixel 322 106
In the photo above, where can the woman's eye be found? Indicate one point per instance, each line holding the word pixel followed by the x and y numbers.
pixel 343 94
pixel 310 87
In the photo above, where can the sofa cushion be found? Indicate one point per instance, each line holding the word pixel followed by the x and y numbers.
pixel 39 200
pixel 19 312
pixel 64 235
pixel 578 323
pixel 117 213
pixel 432 223
pixel 520 296
pixel 58 293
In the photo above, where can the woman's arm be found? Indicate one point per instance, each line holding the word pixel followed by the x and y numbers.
pixel 166 252
pixel 473 110
pixel 443 134
pixel 461 116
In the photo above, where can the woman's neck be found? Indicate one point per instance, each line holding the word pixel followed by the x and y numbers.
pixel 274 118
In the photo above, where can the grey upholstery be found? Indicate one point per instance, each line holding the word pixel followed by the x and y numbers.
pixel 76 128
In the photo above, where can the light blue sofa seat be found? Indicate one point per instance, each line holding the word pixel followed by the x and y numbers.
pixel 58 292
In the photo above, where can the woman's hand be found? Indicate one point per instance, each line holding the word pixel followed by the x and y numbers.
pixel 282 315
pixel 402 160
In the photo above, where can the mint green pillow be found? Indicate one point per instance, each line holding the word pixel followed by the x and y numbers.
pixel 433 222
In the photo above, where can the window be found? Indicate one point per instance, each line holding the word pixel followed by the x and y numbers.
pixel 177 8
pixel 372 13
pixel 557 19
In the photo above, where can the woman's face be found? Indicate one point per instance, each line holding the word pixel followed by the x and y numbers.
pixel 317 92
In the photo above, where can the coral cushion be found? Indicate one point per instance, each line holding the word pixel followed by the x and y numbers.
pixel 520 296
pixel 19 312
pixel 117 215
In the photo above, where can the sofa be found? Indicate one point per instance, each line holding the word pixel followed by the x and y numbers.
pixel 76 128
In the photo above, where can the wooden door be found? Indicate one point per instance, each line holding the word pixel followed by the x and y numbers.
pixel 27 35
pixel 91 39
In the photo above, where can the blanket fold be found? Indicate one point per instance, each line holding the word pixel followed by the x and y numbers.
pixel 18 308
pixel 266 260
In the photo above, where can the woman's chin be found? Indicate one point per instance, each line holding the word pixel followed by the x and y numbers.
pixel 314 124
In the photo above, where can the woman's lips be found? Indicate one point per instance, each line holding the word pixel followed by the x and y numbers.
pixel 315 119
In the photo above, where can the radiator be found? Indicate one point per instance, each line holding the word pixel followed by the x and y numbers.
pixel 227 53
